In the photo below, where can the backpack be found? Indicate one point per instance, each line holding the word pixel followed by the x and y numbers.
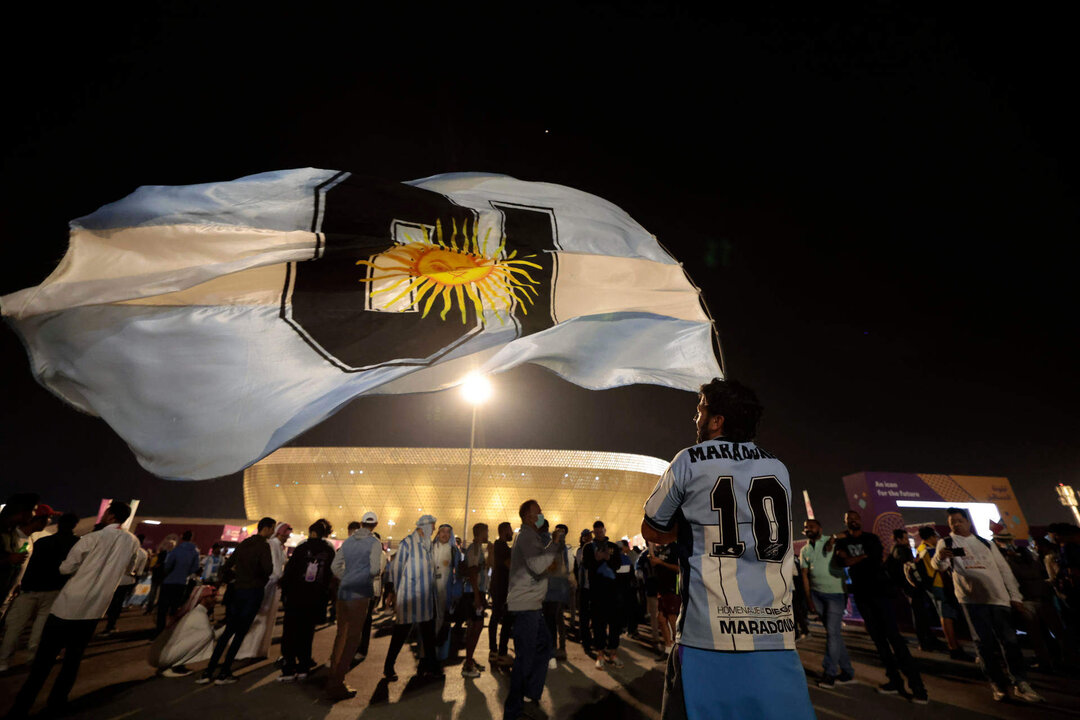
pixel 917 575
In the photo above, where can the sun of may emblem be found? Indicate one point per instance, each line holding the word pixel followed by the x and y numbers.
pixel 430 268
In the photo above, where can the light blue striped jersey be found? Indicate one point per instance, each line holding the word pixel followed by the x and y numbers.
pixel 414 579
pixel 734 504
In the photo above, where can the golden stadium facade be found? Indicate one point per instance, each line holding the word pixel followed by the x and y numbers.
pixel 302 484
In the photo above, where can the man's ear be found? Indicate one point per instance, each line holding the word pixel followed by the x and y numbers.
pixel 718 420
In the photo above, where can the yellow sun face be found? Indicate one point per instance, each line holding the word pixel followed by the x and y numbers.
pixel 431 269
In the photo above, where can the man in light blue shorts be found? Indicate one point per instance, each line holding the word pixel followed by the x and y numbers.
pixel 727 503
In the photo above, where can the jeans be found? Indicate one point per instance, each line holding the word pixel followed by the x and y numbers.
pixel 243 607
pixel 532 650
pixel 880 620
pixel 991 625
pixel 556 624
pixel 71 636
pixel 831 607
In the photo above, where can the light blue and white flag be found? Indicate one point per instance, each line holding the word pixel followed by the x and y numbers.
pixel 209 324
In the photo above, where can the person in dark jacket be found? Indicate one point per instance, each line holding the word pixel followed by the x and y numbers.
pixel 180 563
pixel 248 570
pixel 305 585
pixel 602 560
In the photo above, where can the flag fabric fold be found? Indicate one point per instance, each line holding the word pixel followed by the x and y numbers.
pixel 210 324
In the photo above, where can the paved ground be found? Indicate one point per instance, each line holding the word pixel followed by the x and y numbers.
pixel 115 682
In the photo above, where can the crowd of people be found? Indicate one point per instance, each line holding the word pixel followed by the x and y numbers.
pixel 990 589
pixel 537 589
pixel 532 586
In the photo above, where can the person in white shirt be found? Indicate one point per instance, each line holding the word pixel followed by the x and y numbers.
pixel 97 563
pixel 987 590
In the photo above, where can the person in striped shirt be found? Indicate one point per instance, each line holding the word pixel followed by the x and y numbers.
pixel 414 580
pixel 727 503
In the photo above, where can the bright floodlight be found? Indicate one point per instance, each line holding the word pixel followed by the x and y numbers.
pixel 476 388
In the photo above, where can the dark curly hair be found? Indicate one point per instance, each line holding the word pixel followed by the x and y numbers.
pixel 738 405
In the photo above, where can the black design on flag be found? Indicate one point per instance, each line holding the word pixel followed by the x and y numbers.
pixel 402 274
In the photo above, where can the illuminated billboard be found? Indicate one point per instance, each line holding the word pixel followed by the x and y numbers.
pixel 881 497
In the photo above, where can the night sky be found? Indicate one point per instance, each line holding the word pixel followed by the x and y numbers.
pixel 879 205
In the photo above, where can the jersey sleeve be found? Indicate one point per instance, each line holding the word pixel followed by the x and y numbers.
pixel 668 495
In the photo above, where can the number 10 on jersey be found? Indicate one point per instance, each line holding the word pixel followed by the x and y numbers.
pixel 770 518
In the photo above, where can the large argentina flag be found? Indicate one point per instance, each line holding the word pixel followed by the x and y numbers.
pixel 209 324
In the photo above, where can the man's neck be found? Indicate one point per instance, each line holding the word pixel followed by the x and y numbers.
pixel 961 534
pixel 855 533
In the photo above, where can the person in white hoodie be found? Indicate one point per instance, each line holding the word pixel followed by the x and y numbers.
pixel 987 590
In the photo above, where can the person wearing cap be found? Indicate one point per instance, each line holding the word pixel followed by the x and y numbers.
pixel 356 564
pixel 14 548
pixel 23 542
pixel 40 584
pixel 414 577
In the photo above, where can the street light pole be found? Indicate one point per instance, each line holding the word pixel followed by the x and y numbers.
pixel 475 389
pixel 468 474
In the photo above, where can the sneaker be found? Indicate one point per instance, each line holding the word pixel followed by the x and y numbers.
pixel 553 664
pixel 599 662
pixel 301 676
pixel 206 677
pixel 846 678
pixel 919 696
pixel 827 682
pixel 1024 691
pixel 959 654
pixel 615 662
pixel 286 676
pixel 890 688
pixel 390 675
pixel 505 660
pixel 470 671
pixel 178 671
pixel 493 657
pixel 226 679
pixel 998 694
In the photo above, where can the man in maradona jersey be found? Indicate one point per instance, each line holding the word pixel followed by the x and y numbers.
pixel 726 502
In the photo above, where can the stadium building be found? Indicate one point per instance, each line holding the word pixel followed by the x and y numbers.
pixel 302 484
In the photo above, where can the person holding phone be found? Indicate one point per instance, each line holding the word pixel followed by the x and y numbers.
pixel 987 591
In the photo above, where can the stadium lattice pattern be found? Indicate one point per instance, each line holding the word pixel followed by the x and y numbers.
pixel 301 484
